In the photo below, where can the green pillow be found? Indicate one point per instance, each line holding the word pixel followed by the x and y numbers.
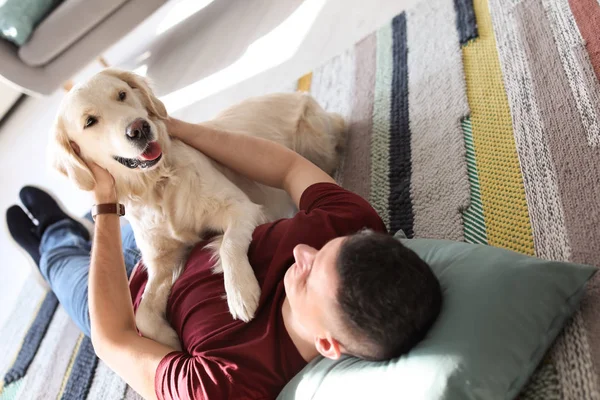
pixel 18 18
pixel 501 312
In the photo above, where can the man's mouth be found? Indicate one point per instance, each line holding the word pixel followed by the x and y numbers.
pixel 150 157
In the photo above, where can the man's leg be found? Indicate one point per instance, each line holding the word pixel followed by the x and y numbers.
pixel 65 263
pixel 61 247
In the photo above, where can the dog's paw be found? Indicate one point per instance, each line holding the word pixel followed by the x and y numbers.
pixel 153 326
pixel 243 293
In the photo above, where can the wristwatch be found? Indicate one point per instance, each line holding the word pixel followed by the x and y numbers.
pixel 108 208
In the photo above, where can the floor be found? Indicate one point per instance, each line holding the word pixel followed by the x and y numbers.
pixel 8 97
pixel 202 56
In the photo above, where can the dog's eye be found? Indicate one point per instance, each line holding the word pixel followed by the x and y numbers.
pixel 122 96
pixel 90 121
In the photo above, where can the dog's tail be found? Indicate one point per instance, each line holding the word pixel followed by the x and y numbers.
pixel 321 135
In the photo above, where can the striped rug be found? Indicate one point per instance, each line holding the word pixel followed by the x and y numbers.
pixel 470 120
pixel 44 356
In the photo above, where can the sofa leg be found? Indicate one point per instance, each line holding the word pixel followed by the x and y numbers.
pixel 68 85
pixel 103 62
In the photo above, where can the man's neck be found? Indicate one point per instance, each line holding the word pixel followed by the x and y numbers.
pixel 305 346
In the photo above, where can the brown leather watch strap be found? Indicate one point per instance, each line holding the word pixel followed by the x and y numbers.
pixel 108 208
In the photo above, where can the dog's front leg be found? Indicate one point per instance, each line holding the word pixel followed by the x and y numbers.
pixel 241 285
pixel 151 315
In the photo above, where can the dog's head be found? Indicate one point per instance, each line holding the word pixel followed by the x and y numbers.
pixel 114 120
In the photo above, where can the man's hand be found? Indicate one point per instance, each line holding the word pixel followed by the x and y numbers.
pixel 104 190
pixel 174 126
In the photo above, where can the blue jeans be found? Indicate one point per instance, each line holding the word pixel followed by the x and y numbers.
pixel 65 264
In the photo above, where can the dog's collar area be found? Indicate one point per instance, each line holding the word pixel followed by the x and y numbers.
pixel 134 163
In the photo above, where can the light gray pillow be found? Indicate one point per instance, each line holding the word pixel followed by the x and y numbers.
pixel 501 312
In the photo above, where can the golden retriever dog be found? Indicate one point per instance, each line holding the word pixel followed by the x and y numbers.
pixel 174 194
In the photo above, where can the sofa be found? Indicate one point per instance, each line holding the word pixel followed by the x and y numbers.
pixel 67 39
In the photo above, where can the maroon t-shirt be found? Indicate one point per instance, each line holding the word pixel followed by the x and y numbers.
pixel 225 358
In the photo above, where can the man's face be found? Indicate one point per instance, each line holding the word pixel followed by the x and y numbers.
pixel 311 285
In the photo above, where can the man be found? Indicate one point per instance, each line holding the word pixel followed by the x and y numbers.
pixel 326 289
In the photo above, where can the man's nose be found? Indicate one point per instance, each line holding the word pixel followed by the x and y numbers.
pixel 138 129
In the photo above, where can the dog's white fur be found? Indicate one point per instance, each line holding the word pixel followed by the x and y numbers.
pixel 170 206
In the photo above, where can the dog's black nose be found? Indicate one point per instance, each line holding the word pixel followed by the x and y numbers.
pixel 138 129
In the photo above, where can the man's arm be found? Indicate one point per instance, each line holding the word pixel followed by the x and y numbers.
pixel 136 359
pixel 113 328
pixel 259 159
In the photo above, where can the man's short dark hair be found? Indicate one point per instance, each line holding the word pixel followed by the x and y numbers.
pixel 388 296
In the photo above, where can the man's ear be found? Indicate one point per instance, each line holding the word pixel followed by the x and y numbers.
pixel 142 87
pixel 328 347
pixel 67 161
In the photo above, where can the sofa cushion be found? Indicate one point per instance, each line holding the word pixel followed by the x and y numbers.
pixel 18 18
pixel 501 312
pixel 65 26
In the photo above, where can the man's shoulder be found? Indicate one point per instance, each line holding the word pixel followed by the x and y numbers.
pixel 326 211
pixel 331 200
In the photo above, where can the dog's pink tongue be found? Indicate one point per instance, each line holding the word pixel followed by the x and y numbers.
pixel 152 152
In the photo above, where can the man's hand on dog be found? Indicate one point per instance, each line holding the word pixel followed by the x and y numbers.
pixel 173 126
pixel 104 190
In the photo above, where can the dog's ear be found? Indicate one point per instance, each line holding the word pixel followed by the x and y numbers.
pixel 141 85
pixel 67 162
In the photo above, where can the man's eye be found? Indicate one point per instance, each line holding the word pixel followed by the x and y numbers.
pixel 122 96
pixel 90 121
